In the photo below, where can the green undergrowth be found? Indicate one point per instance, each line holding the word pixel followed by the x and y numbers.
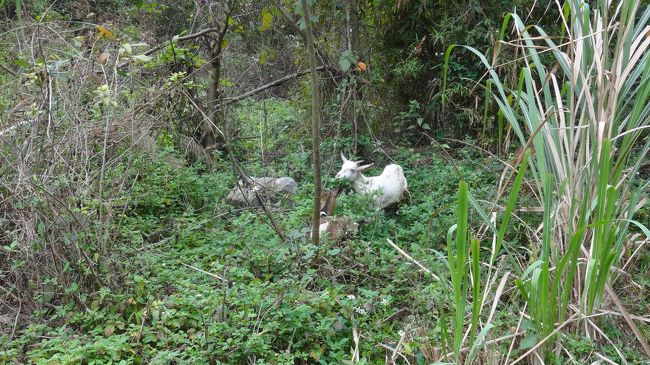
pixel 162 306
pixel 193 281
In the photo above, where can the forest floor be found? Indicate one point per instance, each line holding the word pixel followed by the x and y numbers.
pixel 195 281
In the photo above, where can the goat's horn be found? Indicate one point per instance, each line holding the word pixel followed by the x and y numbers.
pixel 343 157
pixel 364 167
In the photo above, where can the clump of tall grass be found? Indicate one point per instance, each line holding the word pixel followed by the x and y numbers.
pixel 584 116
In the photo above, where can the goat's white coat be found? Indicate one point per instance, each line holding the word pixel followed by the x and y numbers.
pixel 387 188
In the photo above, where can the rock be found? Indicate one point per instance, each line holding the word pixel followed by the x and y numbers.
pixel 265 187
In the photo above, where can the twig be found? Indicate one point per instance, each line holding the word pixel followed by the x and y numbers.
pixel 399 344
pixel 540 343
pixel 628 319
pixel 490 342
pixel 90 263
pixel 13 331
pixel 271 84
pixel 4 67
pixel 638 318
pixel 205 272
pixel 601 333
pixel 355 338
pixel 291 20
pixel 174 39
pixel 393 349
pixel 238 171
pixel 512 344
pixel 412 259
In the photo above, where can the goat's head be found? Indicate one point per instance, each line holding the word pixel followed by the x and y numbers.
pixel 351 169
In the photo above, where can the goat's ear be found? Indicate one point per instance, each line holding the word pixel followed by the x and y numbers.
pixel 343 157
pixel 364 167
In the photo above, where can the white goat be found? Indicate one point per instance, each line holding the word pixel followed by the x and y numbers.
pixel 387 188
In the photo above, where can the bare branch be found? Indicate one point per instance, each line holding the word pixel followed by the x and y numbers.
pixel 271 84
pixel 174 39
pixel 4 67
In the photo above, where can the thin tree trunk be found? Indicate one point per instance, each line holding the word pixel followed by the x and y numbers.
pixel 354 46
pixel 315 127
pixel 208 133
pixel 353 10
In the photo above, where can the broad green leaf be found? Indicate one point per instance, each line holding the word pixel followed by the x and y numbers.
pixel 528 342
pixel 142 57
pixel 263 57
pixel 347 60
pixel 267 18
pixel 22 63
pixel 345 64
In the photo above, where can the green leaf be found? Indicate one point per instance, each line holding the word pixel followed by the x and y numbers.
pixel 347 60
pixel 142 57
pixel 108 330
pixel 224 43
pixel 510 206
pixel 334 252
pixel 267 18
pixel 22 63
pixel 528 342
pixel 263 57
pixel 139 4
pixel 345 64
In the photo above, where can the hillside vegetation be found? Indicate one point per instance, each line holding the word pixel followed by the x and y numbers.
pixel 127 127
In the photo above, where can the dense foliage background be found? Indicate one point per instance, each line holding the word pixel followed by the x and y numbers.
pixel 124 125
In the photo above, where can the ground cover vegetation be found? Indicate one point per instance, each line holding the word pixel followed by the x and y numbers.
pixel 521 126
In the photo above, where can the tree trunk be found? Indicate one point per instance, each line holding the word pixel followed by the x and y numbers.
pixel 210 135
pixel 315 127
pixel 354 46
pixel 353 10
pixel 208 130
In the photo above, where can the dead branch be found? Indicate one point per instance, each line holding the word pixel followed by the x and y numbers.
pixel 4 67
pixel 174 39
pixel 271 84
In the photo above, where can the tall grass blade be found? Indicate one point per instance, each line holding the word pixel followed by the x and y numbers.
pixel 476 288
pixel 456 260
pixel 511 202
